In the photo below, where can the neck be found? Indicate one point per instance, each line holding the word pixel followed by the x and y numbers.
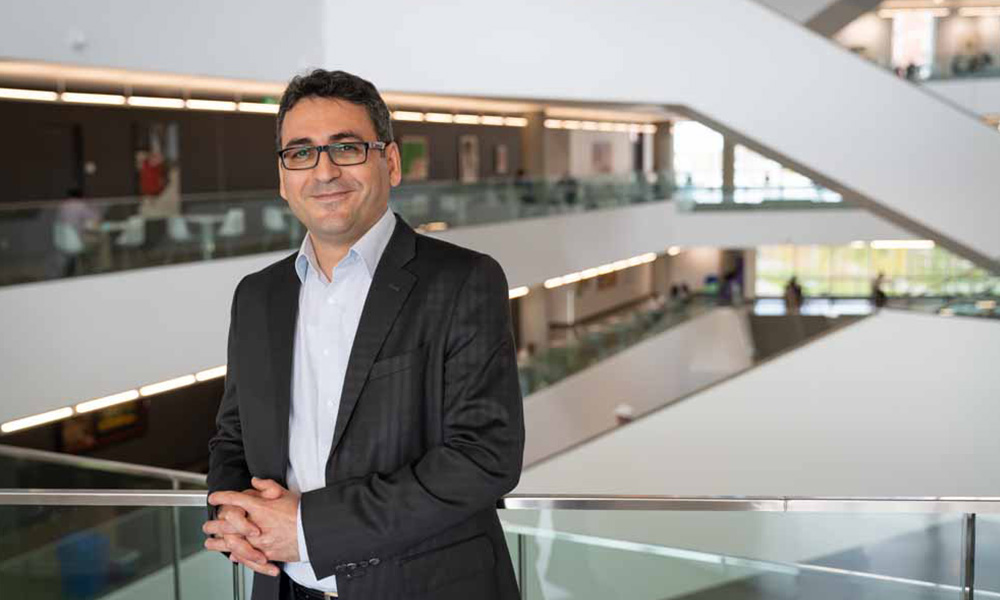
pixel 328 255
pixel 329 252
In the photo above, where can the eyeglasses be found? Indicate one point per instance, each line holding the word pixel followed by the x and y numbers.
pixel 343 154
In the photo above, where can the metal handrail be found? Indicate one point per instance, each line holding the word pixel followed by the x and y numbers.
pixel 99 464
pixel 944 504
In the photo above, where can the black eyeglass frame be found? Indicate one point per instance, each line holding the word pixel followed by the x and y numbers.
pixel 328 149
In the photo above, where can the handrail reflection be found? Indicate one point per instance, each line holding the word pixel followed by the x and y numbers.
pixel 98 464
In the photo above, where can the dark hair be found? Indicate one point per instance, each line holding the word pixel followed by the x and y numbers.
pixel 340 85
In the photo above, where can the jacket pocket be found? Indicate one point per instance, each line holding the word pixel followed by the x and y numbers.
pixel 436 568
pixel 393 364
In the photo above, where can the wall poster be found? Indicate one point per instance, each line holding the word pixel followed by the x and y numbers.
pixel 468 159
pixel 158 169
pixel 501 160
pixel 601 158
pixel 414 153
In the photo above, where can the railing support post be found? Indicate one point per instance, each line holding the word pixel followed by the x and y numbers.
pixel 522 565
pixel 968 556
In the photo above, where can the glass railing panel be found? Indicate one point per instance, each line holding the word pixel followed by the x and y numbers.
pixel 44 240
pixel 756 198
pixel 115 552
pixel 986 563
pixel 659 554
pixel 590 344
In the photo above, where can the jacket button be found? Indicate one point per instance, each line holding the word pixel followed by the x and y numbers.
pixel 374 562
pixel 351 566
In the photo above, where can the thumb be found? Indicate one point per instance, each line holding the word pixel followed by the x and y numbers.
pixel 269 488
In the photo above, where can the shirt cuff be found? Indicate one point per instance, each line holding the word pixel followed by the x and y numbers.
pixel 301 534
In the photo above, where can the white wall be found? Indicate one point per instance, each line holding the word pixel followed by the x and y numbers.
pixel 871 34
pixel 798 10
pixel 557 148
pixel 693 265
pixel 967 35
pixel 630 285
pixel 581 152
pixel 745 229
pixel 73 340
pixel 579 301
pixel 978 96
pixel 226 38
pixel 569 243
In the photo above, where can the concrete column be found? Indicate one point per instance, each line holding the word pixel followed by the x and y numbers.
pixel 533 145
pixel 728 166
pixel 661 275
pixel 750 274
pixel 535 319
pixel 663 147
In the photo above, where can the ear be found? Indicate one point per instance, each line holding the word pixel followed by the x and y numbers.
pixel 281 180
pixel 395 164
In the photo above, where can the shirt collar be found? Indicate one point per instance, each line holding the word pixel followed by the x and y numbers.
pixel 369 247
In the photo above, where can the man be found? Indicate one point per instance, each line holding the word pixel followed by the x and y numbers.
pixel 372 416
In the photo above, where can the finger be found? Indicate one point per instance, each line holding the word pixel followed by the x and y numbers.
pixel 243 549
pixel 269 488
pixel 216 544
pixel 239 499
pixel 262 568
pixel 240 524
pixel 218 527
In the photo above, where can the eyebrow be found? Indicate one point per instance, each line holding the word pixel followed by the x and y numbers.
pixel 336 137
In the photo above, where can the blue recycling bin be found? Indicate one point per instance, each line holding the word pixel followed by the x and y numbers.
pixel 84 564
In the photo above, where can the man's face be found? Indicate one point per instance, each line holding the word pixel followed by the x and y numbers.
pixel 336 204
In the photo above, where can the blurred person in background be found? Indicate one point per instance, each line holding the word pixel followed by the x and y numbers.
pixel 793 296
pixel 879 297
pixel 76 220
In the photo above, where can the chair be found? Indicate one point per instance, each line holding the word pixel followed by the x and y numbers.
pixel 178 230
pixel 134 233
pixel 132 238
pixel 181 239
pixel 233 227
pixel 273 218
pixel 67 241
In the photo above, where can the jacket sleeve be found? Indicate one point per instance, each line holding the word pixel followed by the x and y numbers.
pixel 478 461
pixel 227 468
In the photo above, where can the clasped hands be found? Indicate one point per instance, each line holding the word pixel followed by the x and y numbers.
pixel 257 526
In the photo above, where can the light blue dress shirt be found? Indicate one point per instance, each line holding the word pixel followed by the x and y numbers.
pixel 329 312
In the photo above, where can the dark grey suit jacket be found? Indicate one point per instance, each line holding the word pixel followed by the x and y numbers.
pixel 429 436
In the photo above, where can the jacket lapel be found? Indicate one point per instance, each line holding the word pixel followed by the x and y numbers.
pixel 283 310
pixel 390 287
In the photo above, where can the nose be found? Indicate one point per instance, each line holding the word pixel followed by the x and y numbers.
pixel 326 170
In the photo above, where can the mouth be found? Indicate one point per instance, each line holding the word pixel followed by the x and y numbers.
pixel 331 196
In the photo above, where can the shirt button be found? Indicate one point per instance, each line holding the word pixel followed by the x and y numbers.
pixel 326 352
pixel 329 301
